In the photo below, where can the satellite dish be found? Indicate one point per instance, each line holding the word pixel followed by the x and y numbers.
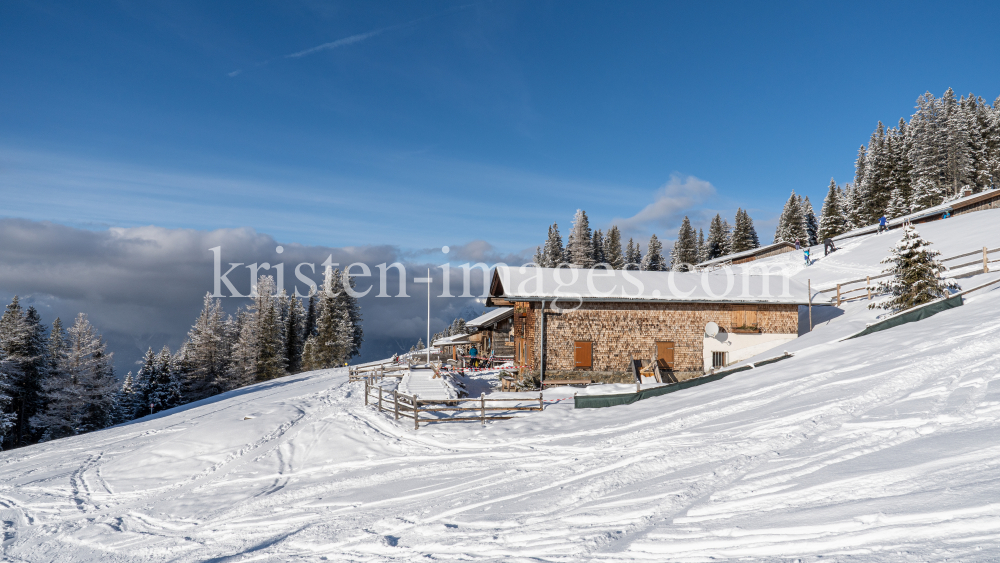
pixel 711 329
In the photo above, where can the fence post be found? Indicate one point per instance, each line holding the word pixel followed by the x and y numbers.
pixel 416 412
pixel 366 391
pixel 868 286
pixel 379 398
pixel 395 404
pixel 986 266
pixel 541 405
pixel 838 295
pixel 482 405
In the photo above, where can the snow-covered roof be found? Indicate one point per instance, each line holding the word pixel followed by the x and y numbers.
pixel 453 340
pixel 490 317
pixel 568 285
pixel 745 253
pixel 929 212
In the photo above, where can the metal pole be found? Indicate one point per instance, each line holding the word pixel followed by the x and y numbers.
pixel 428 316
pixel 810 286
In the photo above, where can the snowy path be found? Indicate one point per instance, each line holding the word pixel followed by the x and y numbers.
pixel 421 382
pixel 882 448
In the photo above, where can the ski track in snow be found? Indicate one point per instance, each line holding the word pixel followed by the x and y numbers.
pixel 882 448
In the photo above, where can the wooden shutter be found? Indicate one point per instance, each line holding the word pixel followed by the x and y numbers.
pixel 583 354
pixel 665 352
pixel 737 314
pixel 750 318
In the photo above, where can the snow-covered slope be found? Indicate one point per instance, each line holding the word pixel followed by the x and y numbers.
pixel 882 448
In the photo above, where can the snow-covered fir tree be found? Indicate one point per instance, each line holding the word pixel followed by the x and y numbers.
pixel 727 238
pixel 715 242
pixel 654 261
pixel 702 246
pixel 581 245
pixel 613 249
pixel 128 402
pixel 831 222
pixel 81 388
pixel 915 274
pixel 295 320
pixel 333 342
pixel 791 227
pixel 744 234
pixel 23 348
pixel 208 352
pixel 809 218
pixel 598 245
pixel 552 252
pixel 684 254
pixel 633 255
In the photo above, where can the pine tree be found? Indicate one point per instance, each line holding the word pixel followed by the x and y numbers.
pixel 685 250
pixel 128 401
pixel 539 257
pixel 927 153
pixel 22 345
pixel 613 249
pixel 309 328
pixel 352 312
pixel 831 222
pixel 744 235
pixel 716 241
pixel 333 342
pixel 598 244
pixel 207 353
pixel 809 218
pixel 581 245
pixel 958 152
pixel 654 262
pixel 552 253
pixel 633 256
pixel 294 327
pixel 81 390
pixel 915 274
pixel 702 246
pixel 791 227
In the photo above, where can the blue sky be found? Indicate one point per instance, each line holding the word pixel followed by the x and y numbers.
pixel 432 123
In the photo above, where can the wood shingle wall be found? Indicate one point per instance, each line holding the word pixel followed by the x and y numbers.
pixel 620 329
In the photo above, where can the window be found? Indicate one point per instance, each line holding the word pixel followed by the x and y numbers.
pixel 665 355
pixel 720 359
pixel 583 354
pixel 744 316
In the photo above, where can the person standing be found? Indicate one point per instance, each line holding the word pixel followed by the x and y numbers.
pixel 882 224
pixel 797 245
pixel 806 253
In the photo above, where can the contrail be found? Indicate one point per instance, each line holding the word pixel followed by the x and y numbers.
pixel 348 40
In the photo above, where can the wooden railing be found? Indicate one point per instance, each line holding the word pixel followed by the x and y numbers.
pixel 865 291
pixel 402 405
pixel 357 373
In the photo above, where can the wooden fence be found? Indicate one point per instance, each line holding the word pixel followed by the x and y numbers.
pixel 865 291
pixel 402 405
pixel 357 373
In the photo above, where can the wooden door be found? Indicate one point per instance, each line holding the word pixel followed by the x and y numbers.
pixel 665 352
pixel 583 354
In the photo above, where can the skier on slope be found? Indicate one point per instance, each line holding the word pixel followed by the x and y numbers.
pixel 881 224
pixel 806 253
pixel 828 246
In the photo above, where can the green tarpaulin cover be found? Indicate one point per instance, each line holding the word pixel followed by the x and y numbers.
pixel 915 314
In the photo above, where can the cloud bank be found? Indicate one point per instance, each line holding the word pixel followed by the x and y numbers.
pixel 143 286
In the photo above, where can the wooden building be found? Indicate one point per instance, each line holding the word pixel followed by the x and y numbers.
pixel 968 203
pixel 749 255
pixel 590 323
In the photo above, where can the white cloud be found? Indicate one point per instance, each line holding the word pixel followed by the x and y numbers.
pixel 675 198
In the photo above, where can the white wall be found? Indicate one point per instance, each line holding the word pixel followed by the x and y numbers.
pixel 742 346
